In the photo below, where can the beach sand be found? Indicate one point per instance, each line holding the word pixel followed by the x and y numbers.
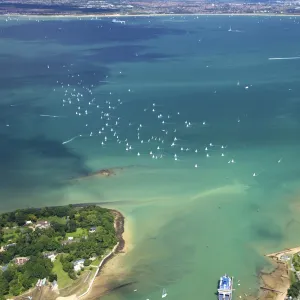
pixel 73 297
pixel 114 270
pixel 274 285
pixel 278 280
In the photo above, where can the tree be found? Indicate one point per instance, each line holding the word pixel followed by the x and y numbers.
pixel 20 218
pixel 32 217
pixel 15 287
pixel 87 262
pixel 72 274
pixel 52 277
pixel 4 286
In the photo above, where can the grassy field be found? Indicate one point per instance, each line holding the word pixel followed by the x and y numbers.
pixel 80 232
pixel 63 278
pixel 56 219
pixel 96 262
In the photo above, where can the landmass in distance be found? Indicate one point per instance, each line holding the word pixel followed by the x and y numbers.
pixel 136 8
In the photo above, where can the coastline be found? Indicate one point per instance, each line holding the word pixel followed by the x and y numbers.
pixel 113 271
pixel 104 266
pixel 275 284
pixel 79 16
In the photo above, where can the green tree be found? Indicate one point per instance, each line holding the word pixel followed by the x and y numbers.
pixel 15 287
pixel 87 262
pixel 32 217
pixel 4 286
pixel 52 277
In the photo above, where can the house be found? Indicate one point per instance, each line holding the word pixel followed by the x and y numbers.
pixel 28 222
pixel 21 260
pixel 54 285
pixel 284 258
pixel 42 224
pixel 92 229
pixel 50 255
pixel 9 245
pixel 70 238
pixel 78 265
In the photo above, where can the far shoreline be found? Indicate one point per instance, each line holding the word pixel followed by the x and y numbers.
pixel 99 16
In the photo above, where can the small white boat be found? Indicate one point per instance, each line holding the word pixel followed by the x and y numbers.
pixel 164 293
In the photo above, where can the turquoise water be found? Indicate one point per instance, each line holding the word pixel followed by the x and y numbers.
pixel 193 218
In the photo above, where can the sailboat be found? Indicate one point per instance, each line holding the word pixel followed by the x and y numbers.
pixel 164 293
pixel 230 29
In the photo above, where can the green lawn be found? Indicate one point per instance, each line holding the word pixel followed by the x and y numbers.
pixel 80 232
pixel 56 219
pixel 63 278
pixel 96 262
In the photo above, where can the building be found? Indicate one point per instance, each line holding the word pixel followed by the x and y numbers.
pixel 92 229
pixel 78 265
pixel 54 285
pixel 9 245
pixel 42 224
pixel 50 255
pixel 21 260
pixel 284 258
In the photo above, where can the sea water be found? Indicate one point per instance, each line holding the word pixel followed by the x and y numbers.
pixel 201 128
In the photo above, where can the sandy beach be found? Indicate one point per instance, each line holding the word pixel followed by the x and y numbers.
pixel 114 270
pixel 274 285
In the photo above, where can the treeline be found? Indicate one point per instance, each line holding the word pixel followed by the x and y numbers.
pixel 21 215
pixel 33 243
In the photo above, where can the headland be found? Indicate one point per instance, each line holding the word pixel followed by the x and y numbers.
pixel 61 240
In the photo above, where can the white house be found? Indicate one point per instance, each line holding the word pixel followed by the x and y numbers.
pixel 52 257
pixel 78 265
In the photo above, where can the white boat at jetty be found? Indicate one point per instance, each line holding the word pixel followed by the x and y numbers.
pixel 225 288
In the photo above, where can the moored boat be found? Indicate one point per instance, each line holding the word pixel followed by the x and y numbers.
pixel 225 288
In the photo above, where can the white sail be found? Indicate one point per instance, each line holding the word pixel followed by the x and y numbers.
pixel 164 293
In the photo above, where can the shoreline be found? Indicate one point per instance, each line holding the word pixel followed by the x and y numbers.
pixel 76 16
pixel 119 224
pixel 275 284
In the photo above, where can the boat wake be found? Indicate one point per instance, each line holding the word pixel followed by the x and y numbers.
pixel 284 58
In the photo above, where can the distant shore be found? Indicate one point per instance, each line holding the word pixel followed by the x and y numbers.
pixel 76 16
